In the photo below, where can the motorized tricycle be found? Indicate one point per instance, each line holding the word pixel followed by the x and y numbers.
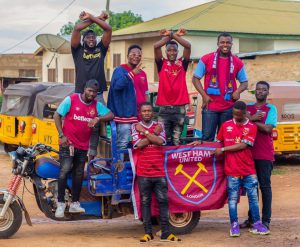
pixel 106 191
pixel 16 113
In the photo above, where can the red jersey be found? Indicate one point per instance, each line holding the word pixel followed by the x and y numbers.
pixel 172 88
pixel 140 85
pixel 76 121
pixel 150 161
pixel 239 163
pixel 219 103
pixel 263 148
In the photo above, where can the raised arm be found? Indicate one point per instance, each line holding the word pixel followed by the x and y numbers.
pixel 159 44
pixel 107 30
pixel 186 45
pixel 86 20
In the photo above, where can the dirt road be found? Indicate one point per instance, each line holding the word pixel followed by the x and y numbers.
pixel 213 229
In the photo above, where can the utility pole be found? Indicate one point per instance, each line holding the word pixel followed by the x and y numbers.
pixel 107 5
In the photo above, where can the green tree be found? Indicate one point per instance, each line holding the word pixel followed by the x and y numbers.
pixel 116 20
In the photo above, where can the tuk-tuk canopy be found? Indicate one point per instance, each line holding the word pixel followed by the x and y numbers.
pixel 284 90
pixel 18 99
pixel 285 96
pixel 53 95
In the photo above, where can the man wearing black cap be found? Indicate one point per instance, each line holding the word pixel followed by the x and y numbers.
pixel 89 60
pixel 81 113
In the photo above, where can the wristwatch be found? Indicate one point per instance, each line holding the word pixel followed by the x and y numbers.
pixel 223 149
pixel 61 135
pixel 146 132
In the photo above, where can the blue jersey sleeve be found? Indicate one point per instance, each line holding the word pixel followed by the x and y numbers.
pixel 102 109
pixel 242 75
pixel 64 107
pixel 272 116
pixel 199 72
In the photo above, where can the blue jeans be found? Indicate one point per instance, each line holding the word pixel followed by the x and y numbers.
pixel 123 135
pixel 94 140
pixel 212 121
pixel 249 183
pixel 159 186
pixel 264 171
pixel 74 164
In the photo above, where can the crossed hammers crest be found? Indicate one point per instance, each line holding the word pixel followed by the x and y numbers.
pixel 192 179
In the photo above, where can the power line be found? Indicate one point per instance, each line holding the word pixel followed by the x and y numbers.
pixel 36 32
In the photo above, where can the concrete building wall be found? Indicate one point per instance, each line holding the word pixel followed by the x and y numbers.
pixel 265 45
pixel 64 61
pixel 248 45
pixel 11 64
pixel 280 67
pixel 286 44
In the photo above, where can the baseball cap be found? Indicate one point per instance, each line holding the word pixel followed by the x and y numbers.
pixel 89 31
pixel 92 84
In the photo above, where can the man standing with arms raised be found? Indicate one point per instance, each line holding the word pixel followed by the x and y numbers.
pixel 220 70
pixel 172 90
pixel 89 60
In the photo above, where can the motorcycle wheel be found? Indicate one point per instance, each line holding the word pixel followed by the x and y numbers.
pixel 12 219
pixel 183 223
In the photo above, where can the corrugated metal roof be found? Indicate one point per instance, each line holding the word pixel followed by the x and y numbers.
pixel 261 53
pixel 268 17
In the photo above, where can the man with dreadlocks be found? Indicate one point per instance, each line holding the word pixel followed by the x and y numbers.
pixel 220 70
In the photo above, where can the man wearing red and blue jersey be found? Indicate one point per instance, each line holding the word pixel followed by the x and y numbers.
pixel 264 115
pixel 220 70
pixel 81 112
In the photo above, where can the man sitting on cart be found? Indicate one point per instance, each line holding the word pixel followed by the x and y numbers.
pixel 81 113
pixel 148 137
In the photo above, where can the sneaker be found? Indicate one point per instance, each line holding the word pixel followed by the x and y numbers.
pixel 235 230
pixel 246 224
pixel 146 238
pixel 267 225
pixel 76 208
pixel 170 238
pixel 259 229
pixel 60 210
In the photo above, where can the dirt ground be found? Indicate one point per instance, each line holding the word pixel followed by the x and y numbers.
pixel 213 229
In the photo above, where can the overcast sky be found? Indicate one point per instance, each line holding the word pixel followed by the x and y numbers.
pixel 22 18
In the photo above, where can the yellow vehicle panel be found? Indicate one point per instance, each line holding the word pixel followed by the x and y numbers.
pixel 11 133
pixel 46 132
pixel 288 137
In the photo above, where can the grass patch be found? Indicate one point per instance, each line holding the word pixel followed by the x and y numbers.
pixel 278 171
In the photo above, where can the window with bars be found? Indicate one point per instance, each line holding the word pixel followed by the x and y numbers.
pixel 69 75
pixel 51 75
pixel 26 73
pixel 116 59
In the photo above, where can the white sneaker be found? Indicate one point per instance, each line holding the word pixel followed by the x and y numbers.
pixel 60 210
pixel 75 208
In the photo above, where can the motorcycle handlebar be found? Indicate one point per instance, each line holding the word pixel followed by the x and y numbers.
pixel 44 147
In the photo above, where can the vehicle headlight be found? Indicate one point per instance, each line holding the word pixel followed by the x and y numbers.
pixel 13 158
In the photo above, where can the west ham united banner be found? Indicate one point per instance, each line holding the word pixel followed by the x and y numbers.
pixel 195 176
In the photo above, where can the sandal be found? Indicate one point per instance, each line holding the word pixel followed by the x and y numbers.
pixel 170 238
pixel 146 238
